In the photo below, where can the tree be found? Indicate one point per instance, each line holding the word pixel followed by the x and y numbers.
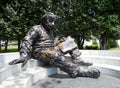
pixel 74 19
pixel 106 21
pixel 79 18
pixel 18 16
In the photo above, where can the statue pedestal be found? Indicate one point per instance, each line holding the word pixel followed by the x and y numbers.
pixel 63 81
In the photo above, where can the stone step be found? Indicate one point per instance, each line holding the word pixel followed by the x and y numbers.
pixel 103 60
pixel 101 53
pixel 108 69
pixel 32 63
pixel 14 76
pixel 27 78
pixel 7 71
pixel 7 57
pixel 10 70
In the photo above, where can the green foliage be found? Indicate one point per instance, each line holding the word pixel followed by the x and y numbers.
pixel 93 46
pixel 94 42
pixel 10 49
pixel 79 18
pixel 115 48
pixel 18 16
pixel 112 43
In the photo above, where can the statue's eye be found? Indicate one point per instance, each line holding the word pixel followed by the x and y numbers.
pixel 51 20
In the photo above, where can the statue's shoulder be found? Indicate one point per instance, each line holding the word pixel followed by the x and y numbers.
pixel 37 27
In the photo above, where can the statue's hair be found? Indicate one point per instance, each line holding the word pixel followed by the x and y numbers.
pixel 49 15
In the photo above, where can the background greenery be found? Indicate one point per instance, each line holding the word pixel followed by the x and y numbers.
pixel 79 19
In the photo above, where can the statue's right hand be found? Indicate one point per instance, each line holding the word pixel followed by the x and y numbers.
pixel 16 61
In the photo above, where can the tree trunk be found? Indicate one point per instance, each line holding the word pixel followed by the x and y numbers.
pixel 103 41
pixel 0 45
pixel 6 45
pixel 19 44
pixel 80 41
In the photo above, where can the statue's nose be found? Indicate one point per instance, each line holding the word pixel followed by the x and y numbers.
pixel 53 23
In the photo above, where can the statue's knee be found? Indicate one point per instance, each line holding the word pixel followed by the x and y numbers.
pixel 57 61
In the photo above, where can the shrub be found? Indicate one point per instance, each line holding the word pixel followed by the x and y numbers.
pixel 112 43
pixel 91 47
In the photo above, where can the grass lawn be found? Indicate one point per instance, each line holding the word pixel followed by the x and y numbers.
pixel 10 49
pixel 116 48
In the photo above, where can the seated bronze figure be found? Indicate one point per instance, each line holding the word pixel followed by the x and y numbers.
pixel 44 49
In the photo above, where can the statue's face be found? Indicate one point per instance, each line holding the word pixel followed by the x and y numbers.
pixel 50 23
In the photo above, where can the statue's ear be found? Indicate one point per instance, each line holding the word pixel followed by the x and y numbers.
pixel 43 18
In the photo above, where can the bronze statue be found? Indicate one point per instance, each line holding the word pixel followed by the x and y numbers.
pixel 44 49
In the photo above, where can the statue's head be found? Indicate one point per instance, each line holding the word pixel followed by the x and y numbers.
pixel 49 19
